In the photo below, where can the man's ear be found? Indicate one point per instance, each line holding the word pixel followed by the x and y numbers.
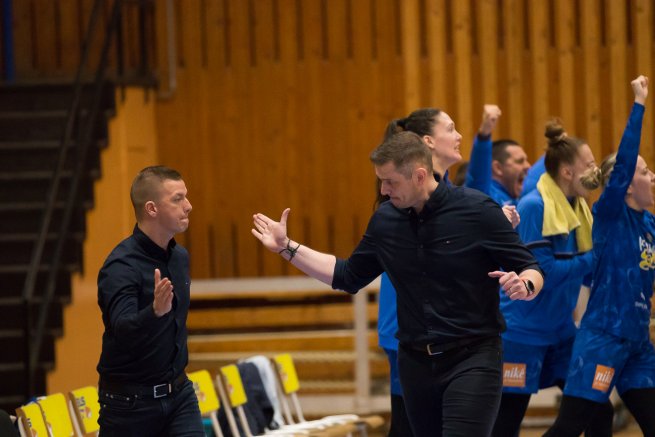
pixel 421 174
pixel 496 168
pixel 151 208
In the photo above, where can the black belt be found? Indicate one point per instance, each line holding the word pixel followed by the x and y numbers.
pixel 440 348
pixel 143 391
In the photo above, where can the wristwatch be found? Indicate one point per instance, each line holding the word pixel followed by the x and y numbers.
pixel 529 286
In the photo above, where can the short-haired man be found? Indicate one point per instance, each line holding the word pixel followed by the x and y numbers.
pixel 499 168
pixel 143 292
pixel 443 248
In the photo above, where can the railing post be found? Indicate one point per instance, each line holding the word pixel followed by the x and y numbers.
pixel 362 366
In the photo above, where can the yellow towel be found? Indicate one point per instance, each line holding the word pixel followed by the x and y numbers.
pixel 560 217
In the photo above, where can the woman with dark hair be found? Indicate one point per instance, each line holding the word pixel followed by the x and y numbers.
pixel 613 347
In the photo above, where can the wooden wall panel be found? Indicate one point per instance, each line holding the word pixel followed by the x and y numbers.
pixel 643 48
pixel 279 102
pixel 513 60
pixel 294 94
pixel 590 107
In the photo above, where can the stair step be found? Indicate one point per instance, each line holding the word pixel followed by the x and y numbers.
pixel 20 252
pixel 41 127
pixel 12 317
pixel 13 379
pixel 31 97
pixel 33 236
pixel 24 268
pixel 36 206
pixel 17 220
pixel 13 347
pixel 14 282
pixel 43 113
pixel 12 146
pixel 40 163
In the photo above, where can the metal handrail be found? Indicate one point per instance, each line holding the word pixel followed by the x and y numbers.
pixel 84 135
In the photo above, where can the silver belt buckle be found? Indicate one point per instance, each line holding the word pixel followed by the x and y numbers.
pixel 429 349
pixel 166 388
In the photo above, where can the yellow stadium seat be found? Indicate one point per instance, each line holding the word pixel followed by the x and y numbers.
pixel 30 421
pixel 56 415
pixel 230 385
pixel 207 398
pixel 290 384
pixel 84 404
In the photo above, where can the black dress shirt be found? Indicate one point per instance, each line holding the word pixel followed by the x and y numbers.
pixel 438 262
pixel 137 346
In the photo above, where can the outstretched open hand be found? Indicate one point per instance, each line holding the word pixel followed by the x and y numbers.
pixel 272 234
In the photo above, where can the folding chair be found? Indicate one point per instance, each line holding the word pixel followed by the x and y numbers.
pixel 207 398
pixel 85 410
pixel 289 386
pixel 30 421
pixel 230 384
pixel 56 416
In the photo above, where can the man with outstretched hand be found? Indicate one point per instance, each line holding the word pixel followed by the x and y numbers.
pixel 445 250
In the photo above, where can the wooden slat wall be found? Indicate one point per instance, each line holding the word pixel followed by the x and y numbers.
pixel 279 102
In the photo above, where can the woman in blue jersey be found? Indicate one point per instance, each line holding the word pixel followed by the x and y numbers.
pixel 556 227
pixel 613 347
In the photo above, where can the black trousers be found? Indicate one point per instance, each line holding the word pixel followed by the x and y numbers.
pixel 456 393
pixel 175 415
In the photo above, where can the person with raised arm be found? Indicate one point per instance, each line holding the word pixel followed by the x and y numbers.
pixel 613 347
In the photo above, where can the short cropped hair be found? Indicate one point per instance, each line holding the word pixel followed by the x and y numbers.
pixel 405 149
pixel 145 186
pixel 499 150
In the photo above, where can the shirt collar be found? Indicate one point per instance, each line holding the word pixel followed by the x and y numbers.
pixel 150 247
pixel 436 199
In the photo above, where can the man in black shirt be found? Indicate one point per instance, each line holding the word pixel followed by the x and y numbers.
pixel 443 249
pixel 143 292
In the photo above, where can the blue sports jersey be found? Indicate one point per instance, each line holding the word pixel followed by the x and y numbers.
pixel 624 250
pixel 547 319
pixel 534 173
pixel 478 175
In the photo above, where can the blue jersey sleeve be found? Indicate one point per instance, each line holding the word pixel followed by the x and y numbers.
pixel 478 175
pixel 624 169
pixel 557 269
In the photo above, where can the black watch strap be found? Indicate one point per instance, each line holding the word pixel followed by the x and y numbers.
pixel 529 286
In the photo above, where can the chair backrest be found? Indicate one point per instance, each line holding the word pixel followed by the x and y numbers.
pixel 236 394
pixel 234 385
pixel 56 415
pixel 207 398
pixel 30 421
pixel 86 409
pixel 290 384
pixel 287 373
